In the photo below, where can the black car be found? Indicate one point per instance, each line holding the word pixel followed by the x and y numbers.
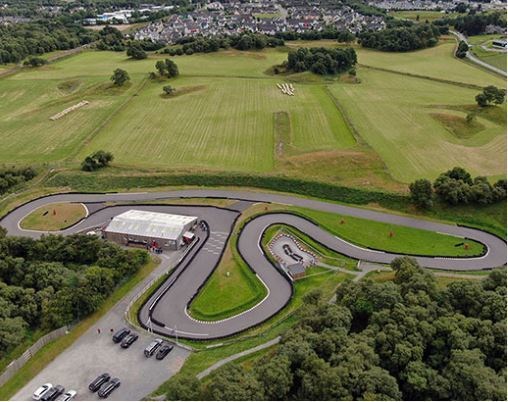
pixel 109 387
pixel 129 340
pixel 119 335
pixel 53 393
pixel 163 351
pixel 98 382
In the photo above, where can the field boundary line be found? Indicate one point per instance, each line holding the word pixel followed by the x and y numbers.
pixel 424 77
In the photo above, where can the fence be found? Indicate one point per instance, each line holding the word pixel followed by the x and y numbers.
pixel 15 365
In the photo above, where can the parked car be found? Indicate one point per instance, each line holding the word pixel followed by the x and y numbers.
pixel 67 396
pixel 39 392
pixel 152 348
pixel 53 393
pixel 129 340
pixel 163 351
pixel 109 387
pixel 119 335
pixel 99 381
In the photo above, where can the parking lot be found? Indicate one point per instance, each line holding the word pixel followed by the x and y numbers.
pixel 93 354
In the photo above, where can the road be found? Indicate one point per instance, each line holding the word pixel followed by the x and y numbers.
pixel 167 308
pixel 475 59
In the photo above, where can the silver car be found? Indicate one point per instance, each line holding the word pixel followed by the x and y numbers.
pixel 67 396
pixel 37 395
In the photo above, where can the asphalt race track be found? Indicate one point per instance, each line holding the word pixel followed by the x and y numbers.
pixel 166 310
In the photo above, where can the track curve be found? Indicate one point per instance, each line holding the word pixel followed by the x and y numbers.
pixel 166 310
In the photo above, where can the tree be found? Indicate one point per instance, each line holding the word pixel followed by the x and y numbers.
pixel 161 67
pixel 171 68
pixel 234 384
pixel 490 94
pixel 421 193
pixel 120 77
pixel 96 161
pixel 470 379
pixel 168 90
pixel 462 49
pixel 135 52
pixel 184 388
pixel 11 330
pixel 276 377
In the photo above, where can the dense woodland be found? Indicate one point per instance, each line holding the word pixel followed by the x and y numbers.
pixel 9 177
pixel 401 340
pixel 321 60
pixel 56 280
pixel 475 23
pixel 401 38
pixel 18 41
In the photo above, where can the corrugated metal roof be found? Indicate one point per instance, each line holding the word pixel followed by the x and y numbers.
pixel 150 224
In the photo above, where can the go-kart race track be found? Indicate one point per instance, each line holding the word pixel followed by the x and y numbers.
pixel 166 310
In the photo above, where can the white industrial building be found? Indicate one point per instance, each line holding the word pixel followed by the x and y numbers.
pixel 150 229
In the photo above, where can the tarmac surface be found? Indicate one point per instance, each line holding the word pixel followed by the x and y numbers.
pixel 166 310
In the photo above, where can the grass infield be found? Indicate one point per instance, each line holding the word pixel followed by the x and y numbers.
pixel 54 217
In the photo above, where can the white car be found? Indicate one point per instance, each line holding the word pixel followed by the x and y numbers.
pixel 67 396
pixel 41 391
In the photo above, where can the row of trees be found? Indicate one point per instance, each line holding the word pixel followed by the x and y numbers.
pixel 457 187
pixel 56 280
pixel 400 340
pixel 321 60
pixel 401 39
pixel 246 41
pixel 9 177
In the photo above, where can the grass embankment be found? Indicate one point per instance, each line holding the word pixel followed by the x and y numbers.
pixel 54 216
pixel 49 352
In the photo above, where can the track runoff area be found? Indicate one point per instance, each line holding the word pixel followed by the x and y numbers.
pixel 166 313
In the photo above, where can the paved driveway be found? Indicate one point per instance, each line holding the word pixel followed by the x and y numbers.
pixel 93 354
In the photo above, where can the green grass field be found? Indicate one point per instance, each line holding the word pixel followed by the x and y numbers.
pixel 436 62
pixel 403 240
pixel 421 15
pixel 54 216
pixel 227 114
pixel 394 114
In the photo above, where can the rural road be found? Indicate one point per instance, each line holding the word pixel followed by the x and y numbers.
pixel 166 310
pixel 475 59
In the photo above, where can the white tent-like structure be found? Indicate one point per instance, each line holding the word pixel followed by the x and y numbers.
pixel 149 228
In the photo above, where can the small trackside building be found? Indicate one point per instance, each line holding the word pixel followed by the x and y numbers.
pixel 149 229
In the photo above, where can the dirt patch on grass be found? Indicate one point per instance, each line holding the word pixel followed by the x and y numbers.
pixel 282 130
pixel 458 125
pixel 69 86
pixel 184 91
